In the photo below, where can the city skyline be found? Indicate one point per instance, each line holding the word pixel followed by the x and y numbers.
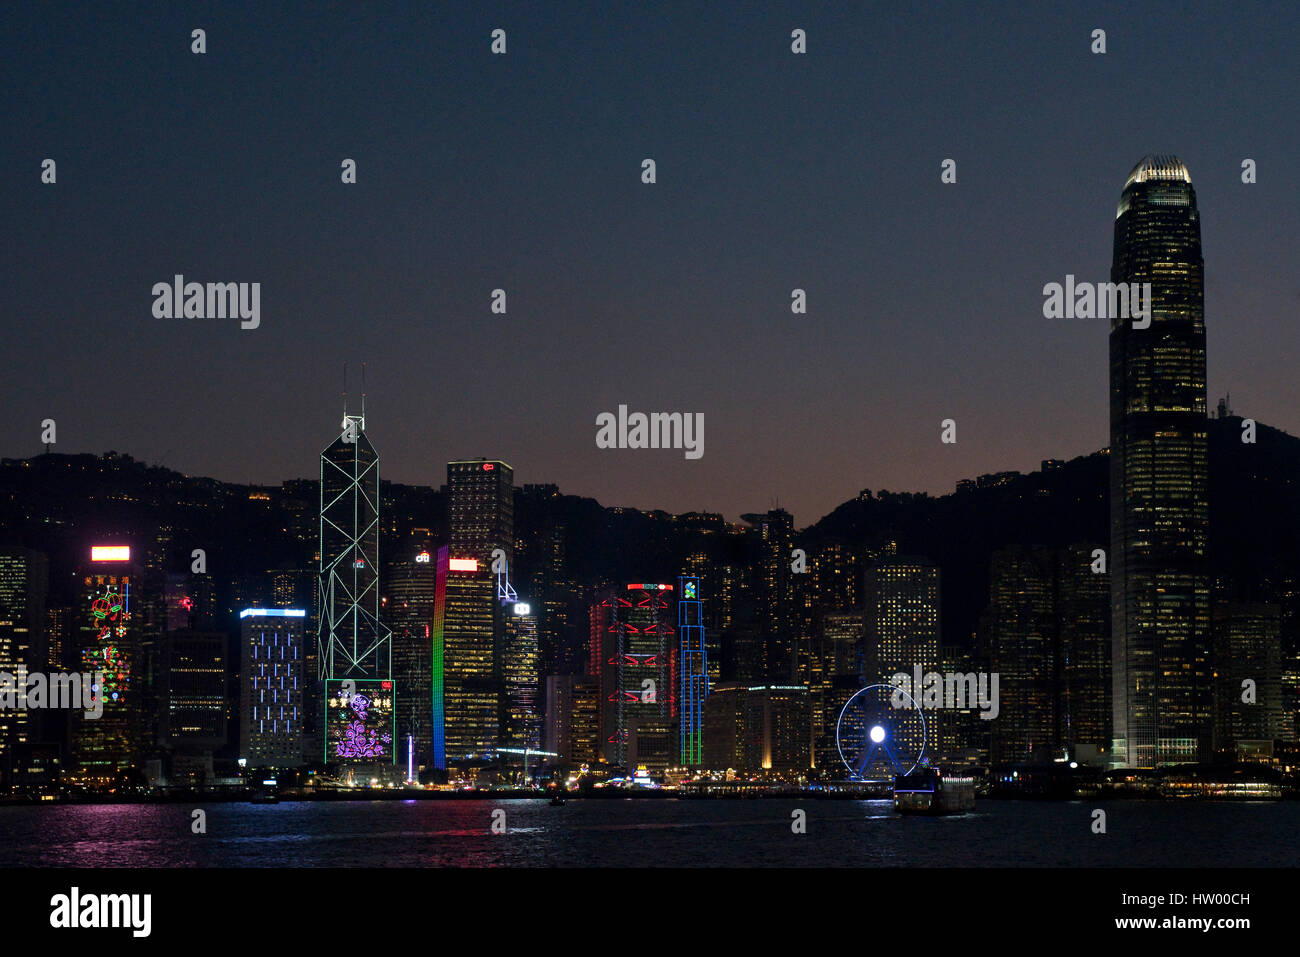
pixel 596 452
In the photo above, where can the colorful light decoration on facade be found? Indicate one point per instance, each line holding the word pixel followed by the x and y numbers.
pixel 358 741
pixel 110 614
pixel 694 671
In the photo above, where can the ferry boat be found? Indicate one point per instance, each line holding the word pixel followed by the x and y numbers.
pixel 927 791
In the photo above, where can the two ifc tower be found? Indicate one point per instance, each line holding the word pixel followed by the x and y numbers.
pixel 1159 478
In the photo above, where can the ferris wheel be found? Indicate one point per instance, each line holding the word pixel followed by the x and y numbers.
pixel 880 733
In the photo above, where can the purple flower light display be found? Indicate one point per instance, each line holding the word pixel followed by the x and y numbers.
pixel 358 741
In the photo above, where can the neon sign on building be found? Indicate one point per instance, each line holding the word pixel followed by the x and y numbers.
pixel 359 721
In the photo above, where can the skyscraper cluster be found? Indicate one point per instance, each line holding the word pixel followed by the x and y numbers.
pixel 421 632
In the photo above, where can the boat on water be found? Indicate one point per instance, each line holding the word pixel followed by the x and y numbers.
pixel 929 791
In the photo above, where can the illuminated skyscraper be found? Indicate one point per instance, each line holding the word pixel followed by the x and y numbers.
pixel 24 579
pixel 480 520
pixel 481 508
pixel 901 624
pixel 1160 597
pixel 271 687
pixel 465 685
pixel 634 653
pixel 355 646
pixel 693 665
pixel 840 647
pixel 901 618
pixel 410 588
pixel 521 718
pixel 110 644
pixel 837 654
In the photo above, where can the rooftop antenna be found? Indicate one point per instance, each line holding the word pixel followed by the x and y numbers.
pixel 505 591
pixel 363 395
pixel 345 391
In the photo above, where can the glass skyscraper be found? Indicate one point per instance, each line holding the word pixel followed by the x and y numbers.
pixel 1160 598
pixel 411 590
pixel 355 647
pixel 465 681
pixel 481 508
pixel 353 643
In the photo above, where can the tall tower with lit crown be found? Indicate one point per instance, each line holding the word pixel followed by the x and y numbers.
pixel 1159 476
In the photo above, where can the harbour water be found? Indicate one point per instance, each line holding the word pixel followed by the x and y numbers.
pixel 642 833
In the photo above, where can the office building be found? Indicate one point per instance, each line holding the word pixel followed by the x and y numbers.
pixel 521 716
pixel 481 508
pixel 573 719
pixel 272 685
pixel 411 586
pixel 634 655
pixel 110 643
pixel 24 583
pixel 465 683
pixel 1160 596
pixel 1248 678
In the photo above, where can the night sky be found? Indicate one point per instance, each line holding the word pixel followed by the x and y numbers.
pixel 523 171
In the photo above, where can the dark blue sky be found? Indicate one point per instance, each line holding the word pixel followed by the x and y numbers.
pixel 775 171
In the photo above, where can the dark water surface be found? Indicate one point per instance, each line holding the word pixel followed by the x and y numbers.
pixel 652 833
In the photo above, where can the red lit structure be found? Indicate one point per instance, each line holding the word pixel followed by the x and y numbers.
pixel 634 656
